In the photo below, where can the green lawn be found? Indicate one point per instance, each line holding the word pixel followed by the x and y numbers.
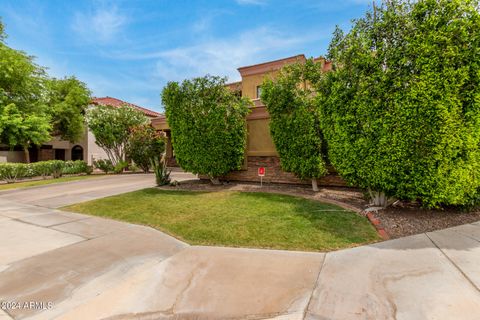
pixel 239 219
pixel 35 183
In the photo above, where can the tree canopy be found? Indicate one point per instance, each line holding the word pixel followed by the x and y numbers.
pixel 34 107
pixel 208 125
pixel 111 127
pixel 67 100
pixel 24 114
pixel 294 121
pixel 401 110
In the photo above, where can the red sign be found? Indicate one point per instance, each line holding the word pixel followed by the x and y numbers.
pixel 261 171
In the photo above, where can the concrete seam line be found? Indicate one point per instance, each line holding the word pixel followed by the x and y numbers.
pixel 454 264
pixel 51 226
pixel 315 286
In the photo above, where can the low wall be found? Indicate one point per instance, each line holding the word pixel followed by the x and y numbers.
pixel 12 156
pixel 274 173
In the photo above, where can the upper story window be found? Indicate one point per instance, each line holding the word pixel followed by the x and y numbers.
pixel 259 92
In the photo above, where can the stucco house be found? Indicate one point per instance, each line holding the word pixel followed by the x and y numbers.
pixel 83 149
pixel 260 150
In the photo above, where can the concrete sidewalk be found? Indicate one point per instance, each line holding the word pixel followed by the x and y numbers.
pixel 93 268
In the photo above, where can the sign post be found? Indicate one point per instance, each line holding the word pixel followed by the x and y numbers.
pixel 261 174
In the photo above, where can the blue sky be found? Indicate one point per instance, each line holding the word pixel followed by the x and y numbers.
pixel 131 49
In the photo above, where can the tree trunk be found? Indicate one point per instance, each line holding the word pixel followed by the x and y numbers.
pixel 26 154
pixel 314 184
pixel 215 181
pixel 379 199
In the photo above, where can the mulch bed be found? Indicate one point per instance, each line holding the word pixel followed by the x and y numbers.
pixel 405 219
pixel 399 220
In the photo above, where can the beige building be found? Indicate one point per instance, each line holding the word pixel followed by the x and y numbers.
pixel 83 149
pixel 260 151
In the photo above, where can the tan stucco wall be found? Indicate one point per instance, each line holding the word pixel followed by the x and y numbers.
pixel 259 141
pixel 12 156
pixel 250 83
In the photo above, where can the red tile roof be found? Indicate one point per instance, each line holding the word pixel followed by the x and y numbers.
pixel 109 101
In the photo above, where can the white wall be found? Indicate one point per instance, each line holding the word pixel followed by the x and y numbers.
pixel 94 151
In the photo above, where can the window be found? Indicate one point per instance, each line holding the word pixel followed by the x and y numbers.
pixel 259 92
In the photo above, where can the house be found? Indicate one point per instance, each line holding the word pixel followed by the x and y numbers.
pixel 260 150
pixel 83 149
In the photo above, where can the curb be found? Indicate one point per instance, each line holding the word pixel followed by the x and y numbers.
pixel 376 223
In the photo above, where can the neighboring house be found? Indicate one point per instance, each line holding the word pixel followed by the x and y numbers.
pixel 260 151
pixel 83 149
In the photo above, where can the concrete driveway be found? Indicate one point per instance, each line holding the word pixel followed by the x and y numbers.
pixel 60 265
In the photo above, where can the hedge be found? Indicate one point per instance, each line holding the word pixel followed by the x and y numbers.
pixel 11 172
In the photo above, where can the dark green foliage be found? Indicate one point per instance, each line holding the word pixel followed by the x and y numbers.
pixel 294 122
pixel 401 112
pixel 208 126
pixel 144 144
pixel 104 164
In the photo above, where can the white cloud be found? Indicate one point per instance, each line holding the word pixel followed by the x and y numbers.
pixel 251 2
pixel 223 56
pixel 102 24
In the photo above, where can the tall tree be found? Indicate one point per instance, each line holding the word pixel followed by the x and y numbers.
pixel 208 125
pixel 111 127
pixel 67 101
pixel 22 100
pixel 401 112
pixel 294 122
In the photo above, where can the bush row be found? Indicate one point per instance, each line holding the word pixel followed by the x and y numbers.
pixel 11 172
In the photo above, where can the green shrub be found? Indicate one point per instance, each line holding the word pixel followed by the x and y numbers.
pixel 144 144
pixel 41 168
pixel 294 120
pixel 162 173
pixel 10 172
pixel 57 167
pixel 104 164
pixel 208 125
pixel 120 167
pixel 401 111
pixel 75 167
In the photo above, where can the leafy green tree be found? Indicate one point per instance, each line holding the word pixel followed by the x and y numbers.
pixel 208 125
pixel 111 127
pixel 67 101
pixel 401 111
pixel 294 122
pixel 25 120
pixel 23 129
pixel 144 145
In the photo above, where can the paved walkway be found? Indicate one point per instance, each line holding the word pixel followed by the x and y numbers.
pixel 93 268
